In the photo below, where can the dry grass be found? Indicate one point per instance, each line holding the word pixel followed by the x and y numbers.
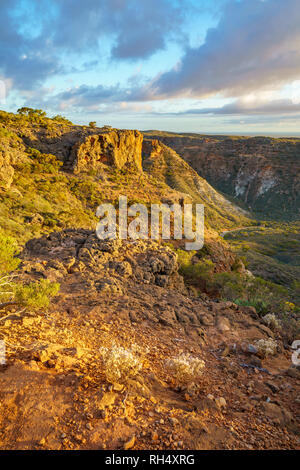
pixel 120 363
pixel 185 368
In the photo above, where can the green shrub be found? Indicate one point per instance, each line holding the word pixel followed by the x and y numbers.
pixel 86 190
pixel 256 292
pixel 260 306
pixel 8 252
pixel 43 162
pixel 36 295
pixel 62 120
pixel 231 285
pixel 193 273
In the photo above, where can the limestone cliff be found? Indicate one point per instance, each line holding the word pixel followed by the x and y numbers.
pixel 118 148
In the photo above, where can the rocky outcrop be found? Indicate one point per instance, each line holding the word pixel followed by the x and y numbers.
pixel 117 148
pixel 125 296
pixel 104 265
pixel 80 147
pixel 6 171
pixel 11 152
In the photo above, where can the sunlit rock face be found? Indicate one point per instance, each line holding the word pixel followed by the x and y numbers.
pixel 11 152
pixel 117 148
pixel 6 171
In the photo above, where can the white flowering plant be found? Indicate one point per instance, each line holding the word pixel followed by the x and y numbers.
pixel 120 363
pixel 185 368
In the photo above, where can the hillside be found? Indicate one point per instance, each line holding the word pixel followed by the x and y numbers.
pixel 262 175
pixel 132 344
pixel 90 174
pixel 61 390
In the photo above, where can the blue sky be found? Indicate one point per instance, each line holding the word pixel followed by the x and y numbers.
pixel 216 66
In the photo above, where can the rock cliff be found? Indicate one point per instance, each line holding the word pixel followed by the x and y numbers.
pixel 118 148
pixel 10 147
pixel 263 173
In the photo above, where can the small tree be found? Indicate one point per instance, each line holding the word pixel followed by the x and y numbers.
pixel 31 112
pixel 92 124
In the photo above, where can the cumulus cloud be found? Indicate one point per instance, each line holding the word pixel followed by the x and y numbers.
pixel 24 58
pixel 255 45
pixel 138 28
pixel 37 35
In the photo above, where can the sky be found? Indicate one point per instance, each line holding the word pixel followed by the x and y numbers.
pixel 208 66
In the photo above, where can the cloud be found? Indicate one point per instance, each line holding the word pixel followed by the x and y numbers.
pixel 36 36
pixel 90 97
pixel 100 98
pixel 256 45
pixel 83 97
pixel 240 107
pixel 24 58
pixel 137 28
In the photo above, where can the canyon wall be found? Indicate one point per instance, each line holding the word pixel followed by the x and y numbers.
pixel 262 173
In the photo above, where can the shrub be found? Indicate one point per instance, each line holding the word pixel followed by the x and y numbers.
pixel 8 251
pixel 36 295
pixel 92 124
pixel 37 116
pixel 62 120
pixel 193 273
pixel 86 190
pixel 266 347
pixel 260 306
pixel 254 292
pixel 43 162
pixel 271 321
pixel 230 284
pixel 185 368
pixel 120 363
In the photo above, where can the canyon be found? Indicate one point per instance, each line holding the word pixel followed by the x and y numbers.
pixel 261 173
